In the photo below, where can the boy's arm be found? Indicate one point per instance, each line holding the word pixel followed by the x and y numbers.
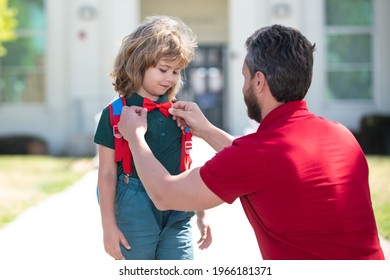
pixel 107 179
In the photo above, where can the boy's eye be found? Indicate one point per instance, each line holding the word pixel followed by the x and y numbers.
pixel 175 72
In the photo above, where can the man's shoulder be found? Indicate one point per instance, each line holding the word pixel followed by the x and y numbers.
pixel 245 140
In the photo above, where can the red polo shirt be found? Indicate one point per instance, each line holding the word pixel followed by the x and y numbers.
pixel 303 184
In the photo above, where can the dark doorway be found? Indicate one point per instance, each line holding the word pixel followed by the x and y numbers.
pixel 204 82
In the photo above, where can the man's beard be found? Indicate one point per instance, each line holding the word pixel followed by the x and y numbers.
pixel 253 109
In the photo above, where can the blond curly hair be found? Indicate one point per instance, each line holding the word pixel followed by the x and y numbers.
pixel 157 37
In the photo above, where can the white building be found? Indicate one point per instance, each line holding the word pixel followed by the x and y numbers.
pixel 55 78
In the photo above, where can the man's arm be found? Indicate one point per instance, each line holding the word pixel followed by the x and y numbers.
pixel 185 191
pixel 199 125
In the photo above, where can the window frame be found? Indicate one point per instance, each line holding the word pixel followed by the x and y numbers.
pixel 350 30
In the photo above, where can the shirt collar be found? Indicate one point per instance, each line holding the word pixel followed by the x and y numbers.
pixel 289 107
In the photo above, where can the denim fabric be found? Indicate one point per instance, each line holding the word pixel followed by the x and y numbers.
pixel 151 233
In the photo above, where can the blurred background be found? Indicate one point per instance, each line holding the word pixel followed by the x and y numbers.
pixel 55 60
pixel 57 56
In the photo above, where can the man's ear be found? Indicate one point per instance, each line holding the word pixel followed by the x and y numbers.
pixel 260 79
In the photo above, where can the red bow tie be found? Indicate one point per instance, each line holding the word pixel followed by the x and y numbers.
pixel 163 107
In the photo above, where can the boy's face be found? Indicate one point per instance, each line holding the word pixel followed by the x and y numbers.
pixel 157 80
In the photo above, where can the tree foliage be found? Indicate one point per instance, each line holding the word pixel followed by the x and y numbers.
pixel 7 25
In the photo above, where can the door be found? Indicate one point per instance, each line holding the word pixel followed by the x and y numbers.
pixel 204 83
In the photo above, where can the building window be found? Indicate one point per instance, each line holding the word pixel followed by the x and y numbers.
pixel 22 68
pixel 349 38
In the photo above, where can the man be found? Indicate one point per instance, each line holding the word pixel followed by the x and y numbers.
pixel 302 180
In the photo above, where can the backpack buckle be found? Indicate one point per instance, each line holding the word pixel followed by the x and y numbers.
pixel 187 146
pixel 116 132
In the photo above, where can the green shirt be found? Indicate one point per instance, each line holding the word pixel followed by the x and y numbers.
pixel 163 136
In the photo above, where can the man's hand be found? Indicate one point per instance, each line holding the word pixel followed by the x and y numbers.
pixel 188 114
pixel 133 122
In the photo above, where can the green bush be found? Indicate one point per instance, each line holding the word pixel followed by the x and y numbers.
pixel 22 145
pixel 374 134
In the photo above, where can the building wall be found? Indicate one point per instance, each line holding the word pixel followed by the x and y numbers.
pixel 207 19
pixel 382 56
pixel 83 37
pixel 348 113
pixel 308 16
pixel 46 120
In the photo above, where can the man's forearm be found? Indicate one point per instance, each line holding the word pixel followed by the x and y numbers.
pixel 216 138
pixel 184 192
pixel 199 125
pixel 151 172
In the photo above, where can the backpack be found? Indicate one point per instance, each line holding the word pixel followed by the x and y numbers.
pixel 122 150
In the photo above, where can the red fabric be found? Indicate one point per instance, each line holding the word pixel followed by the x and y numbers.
pixel 122 150
pixel 303 184
pixel 186 143
pixel 186 146
pixel 163 107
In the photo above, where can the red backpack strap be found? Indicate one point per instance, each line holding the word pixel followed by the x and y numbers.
pixel 122 150
pixel 186 146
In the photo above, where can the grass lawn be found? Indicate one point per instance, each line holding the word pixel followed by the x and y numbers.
pixel 27 180
pixel 380 192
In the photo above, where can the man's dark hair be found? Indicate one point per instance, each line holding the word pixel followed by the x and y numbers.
pixel 285 57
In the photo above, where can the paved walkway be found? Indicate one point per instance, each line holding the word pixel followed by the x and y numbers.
pixel 63 234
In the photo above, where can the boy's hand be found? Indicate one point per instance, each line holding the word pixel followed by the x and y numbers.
pixel 205 231
pixel 112 240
